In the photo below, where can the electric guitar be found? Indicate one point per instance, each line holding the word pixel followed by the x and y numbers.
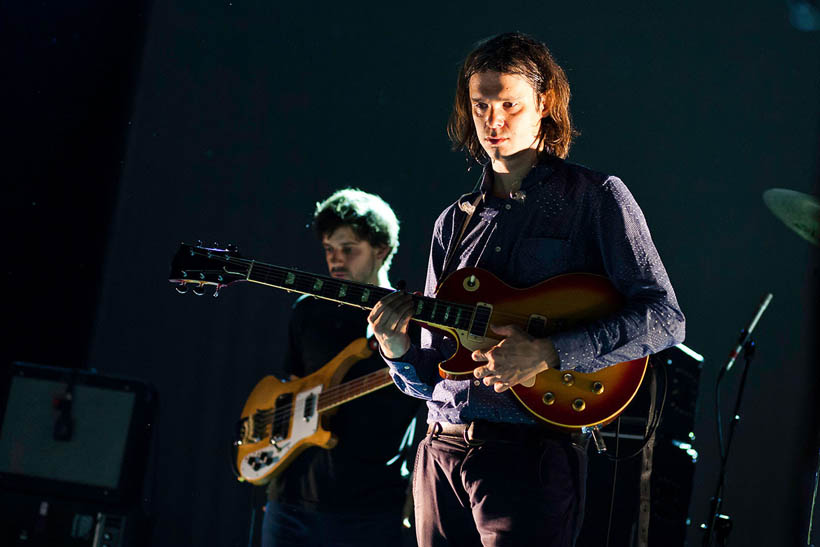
pixel 281 419
pixel 467 302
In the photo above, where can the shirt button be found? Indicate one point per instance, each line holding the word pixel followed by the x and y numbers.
pixel 406 367
pixel 476 383
pixel 498 249
pixel 508 207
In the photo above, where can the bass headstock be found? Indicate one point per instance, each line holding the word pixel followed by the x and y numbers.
pixel 197 267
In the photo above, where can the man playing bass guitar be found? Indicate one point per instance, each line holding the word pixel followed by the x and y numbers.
pixel 490 473
pixel 348 495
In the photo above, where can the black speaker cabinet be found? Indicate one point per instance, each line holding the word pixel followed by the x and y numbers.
pixel 73 452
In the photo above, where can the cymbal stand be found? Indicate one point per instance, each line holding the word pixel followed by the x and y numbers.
pixel 719 525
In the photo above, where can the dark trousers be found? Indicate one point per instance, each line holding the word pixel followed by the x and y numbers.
pixel 287 525
pixel 500 493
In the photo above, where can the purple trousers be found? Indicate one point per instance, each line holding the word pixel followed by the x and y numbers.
pixel 522 493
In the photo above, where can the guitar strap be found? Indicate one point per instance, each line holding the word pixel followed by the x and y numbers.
pixel 645 505
pixel 470 209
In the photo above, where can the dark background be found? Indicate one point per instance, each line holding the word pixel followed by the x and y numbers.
pixel 131 128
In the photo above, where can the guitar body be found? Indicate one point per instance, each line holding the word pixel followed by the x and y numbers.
pixel 467 303
pixel 288 413
pixel 567 400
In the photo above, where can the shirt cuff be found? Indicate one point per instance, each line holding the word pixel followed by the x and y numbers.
pixel 574 350
pixel 410 356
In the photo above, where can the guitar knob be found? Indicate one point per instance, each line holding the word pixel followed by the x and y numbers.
pixel 597 388
pixel 578 405
pixel 568 379
pixel 182 288
pixel 199 290
pixel 548 398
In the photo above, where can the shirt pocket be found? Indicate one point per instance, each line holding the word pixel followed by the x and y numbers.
pixel 539 258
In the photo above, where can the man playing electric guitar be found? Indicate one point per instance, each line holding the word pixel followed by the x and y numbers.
pixel 490 473
pixel 348 495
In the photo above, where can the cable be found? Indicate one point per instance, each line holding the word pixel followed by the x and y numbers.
pixel 614 480
pixel 653 422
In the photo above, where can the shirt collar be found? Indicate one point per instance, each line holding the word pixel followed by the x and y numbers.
pixel 537 174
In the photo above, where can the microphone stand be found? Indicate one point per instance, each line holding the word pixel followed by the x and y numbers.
pixel 719 525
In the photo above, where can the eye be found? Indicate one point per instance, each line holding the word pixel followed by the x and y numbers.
pixel 510 105
pixel 480 107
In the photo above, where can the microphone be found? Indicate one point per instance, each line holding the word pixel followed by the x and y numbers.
pixel 746 333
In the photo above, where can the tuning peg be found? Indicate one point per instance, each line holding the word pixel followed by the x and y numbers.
pixel 199 290
pixel 216 290
pixel 182 288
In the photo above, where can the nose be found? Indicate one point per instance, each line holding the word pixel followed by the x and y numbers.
pixel 334 257
pixel 495 119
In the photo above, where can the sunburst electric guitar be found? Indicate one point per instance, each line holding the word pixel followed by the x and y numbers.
pixel 281 419
pixel 467 302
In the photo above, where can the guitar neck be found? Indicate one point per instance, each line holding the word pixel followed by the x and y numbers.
pixel 354 389
pixel 429 311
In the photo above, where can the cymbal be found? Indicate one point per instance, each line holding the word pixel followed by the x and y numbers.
pixel 798 211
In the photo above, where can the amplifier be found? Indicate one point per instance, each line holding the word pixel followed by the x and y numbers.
pixel 673 463
pixel 74 446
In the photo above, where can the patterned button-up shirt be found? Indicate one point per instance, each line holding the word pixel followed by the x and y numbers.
pixel 570 219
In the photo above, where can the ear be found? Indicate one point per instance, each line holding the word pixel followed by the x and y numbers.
pixel 382 251
pixel 546 100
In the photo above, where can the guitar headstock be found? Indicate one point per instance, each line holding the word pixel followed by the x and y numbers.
pixel 197 267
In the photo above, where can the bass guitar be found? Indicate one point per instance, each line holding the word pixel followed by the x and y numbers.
pixel 281 419
pixel 467 302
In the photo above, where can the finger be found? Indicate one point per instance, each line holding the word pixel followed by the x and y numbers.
pixel 504 330
pixel 494 381
pixel 501 386
pixel 481 372
pixel 387 313
pixel 480 356
pixel 403 319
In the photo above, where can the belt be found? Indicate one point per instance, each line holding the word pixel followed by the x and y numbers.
pixel 478 432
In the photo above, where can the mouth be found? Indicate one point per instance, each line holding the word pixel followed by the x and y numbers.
pixel 339 274
pixel 495 141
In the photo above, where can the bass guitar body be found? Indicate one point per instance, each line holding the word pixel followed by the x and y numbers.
pixel 282 419
pixel 564 399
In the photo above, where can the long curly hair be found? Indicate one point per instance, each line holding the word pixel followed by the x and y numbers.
pixel 520 54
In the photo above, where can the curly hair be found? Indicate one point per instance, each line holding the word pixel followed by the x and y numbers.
pixel 368 215
pixel 520 54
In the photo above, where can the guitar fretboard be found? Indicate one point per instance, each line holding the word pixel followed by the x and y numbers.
pixel 425 310
pixel 354 389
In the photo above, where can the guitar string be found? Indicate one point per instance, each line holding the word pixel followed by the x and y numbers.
pixel 327 281
pixel 330 282
pixel 328 398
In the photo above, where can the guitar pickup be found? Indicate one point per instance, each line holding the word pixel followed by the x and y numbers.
pixel 481 320
pixel 310 407
pixel 537 326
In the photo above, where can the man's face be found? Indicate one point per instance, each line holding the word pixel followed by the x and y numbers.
pixel 351 258
pixel 506 113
